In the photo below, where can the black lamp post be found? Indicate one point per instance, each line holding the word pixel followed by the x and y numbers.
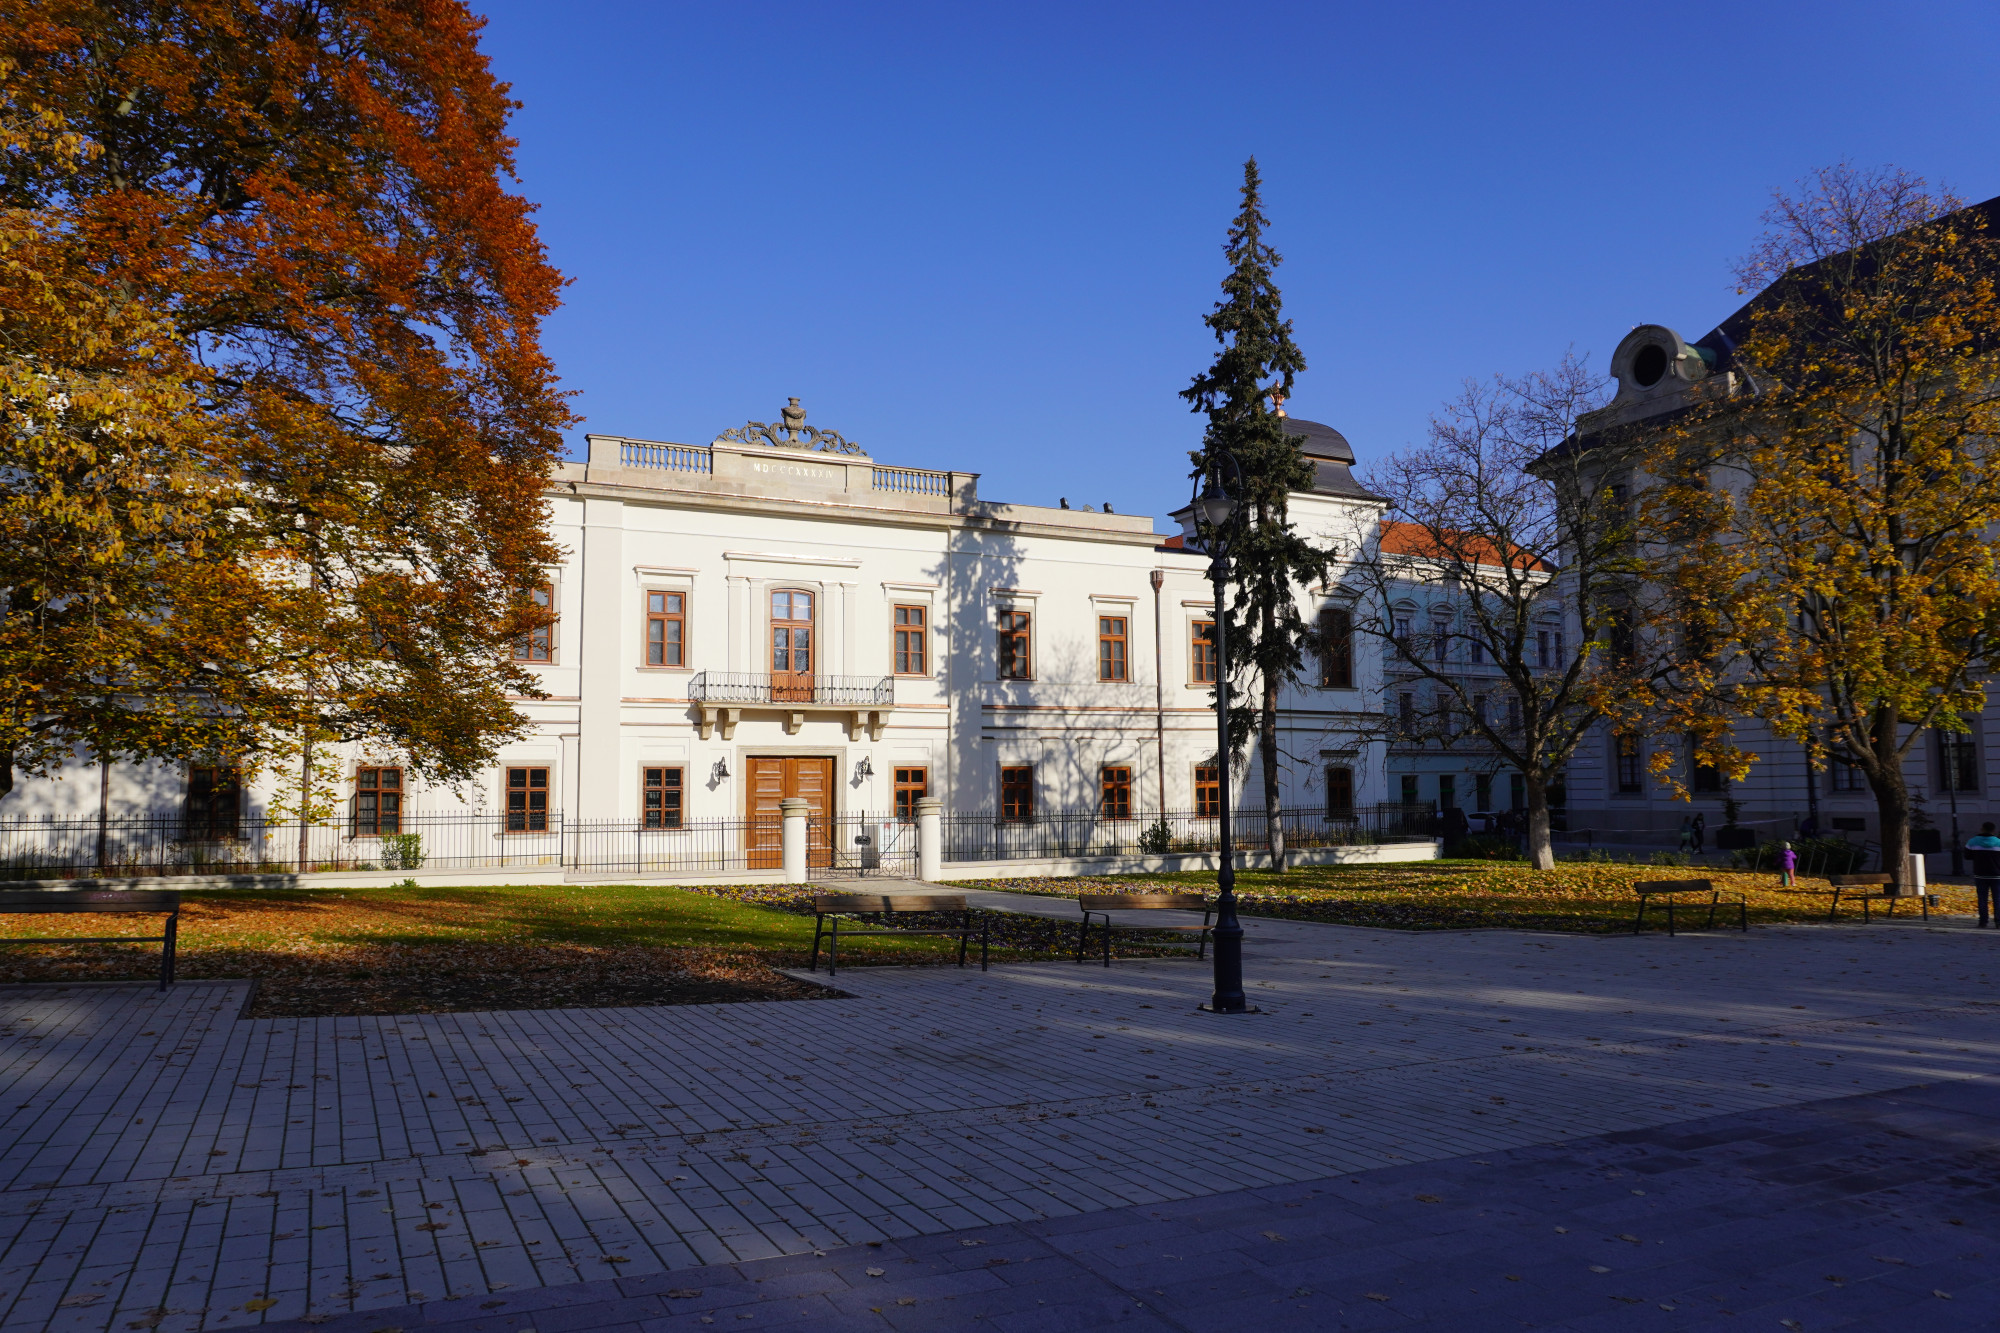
pixel 1215 515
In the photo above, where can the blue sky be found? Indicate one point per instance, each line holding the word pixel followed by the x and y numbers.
pixel 983 236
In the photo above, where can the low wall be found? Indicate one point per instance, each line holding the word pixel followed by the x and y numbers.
pixel 1370 854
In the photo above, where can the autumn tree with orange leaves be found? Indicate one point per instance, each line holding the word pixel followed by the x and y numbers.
pixel 278 420
pixel 1829 525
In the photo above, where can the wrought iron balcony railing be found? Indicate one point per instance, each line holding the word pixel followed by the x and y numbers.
pixel 731 687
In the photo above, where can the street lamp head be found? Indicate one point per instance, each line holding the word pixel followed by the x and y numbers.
pixel 1216 507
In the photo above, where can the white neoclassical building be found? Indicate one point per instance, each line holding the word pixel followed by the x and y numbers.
pixel 778 614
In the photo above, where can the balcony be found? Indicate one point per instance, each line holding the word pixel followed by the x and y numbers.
pixel 722 698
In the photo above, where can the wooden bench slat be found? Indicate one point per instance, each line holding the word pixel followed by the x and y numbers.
pixel 890 902
pixel 35 901
pixel 1674 886
pixel 108 902
pixel 1845 880
pixel 1102 902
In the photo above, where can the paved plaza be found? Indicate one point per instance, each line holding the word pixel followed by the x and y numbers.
pixel 167 1164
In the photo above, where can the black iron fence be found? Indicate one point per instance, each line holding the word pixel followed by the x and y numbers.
pixel 987 836
pixel 843 845
pixel 130 848
pixel 120 848
pixel 693 847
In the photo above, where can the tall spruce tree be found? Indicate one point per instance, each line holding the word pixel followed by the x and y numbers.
pixel 1240 392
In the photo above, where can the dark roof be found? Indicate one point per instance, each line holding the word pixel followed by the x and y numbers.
pixel 1719 344
pixel 1332 457
pixel 1321 441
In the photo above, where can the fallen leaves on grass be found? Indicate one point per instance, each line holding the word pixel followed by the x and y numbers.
pixel 1575 896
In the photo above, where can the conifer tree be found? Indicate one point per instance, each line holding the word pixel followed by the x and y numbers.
pixel 1241 393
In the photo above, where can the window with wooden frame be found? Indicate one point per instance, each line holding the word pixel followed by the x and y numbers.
pixel 1626 748
pixel 527 800
pixel 539 643
pixel 913 783
pixel 378 801
pixel 913 655
pixel 1207 791
pixel 662 796
pixel 1114 784
pixel 1339 791
pixel 1336 649
pixel 1201 652
pixel 1016 646
pixel 666 629
pixel 1111 648
pixel 1017 792
pixel 214 807
pixel 1843 775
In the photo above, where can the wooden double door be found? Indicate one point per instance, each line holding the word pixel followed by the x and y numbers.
pixel 773 778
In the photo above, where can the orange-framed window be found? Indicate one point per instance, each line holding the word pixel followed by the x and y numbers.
pixel 539 643
pixel 913 783
pixel 1115 791
pixel 1017 792
pixel 1016 645
pixel 1111 663
pixel 1207 791
pixel 378 801
pixel 913 657
pixel 1201 653
pixel 662 791
pixel 527 800
pixel 666 629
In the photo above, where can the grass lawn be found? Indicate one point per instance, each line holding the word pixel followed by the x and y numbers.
pixel 1456 895
pixel 405 951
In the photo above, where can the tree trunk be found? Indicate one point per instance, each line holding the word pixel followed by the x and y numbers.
pixel 1892 794
pixel 6 773
pixel 1267 746
pixel 1541 851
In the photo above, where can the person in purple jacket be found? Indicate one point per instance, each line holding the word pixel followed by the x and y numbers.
pixel 1788 862
pixel 1985 851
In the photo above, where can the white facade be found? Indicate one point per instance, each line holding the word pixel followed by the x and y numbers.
pixel 716 533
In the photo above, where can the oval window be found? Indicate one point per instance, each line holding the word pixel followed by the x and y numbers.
pixel 1649 365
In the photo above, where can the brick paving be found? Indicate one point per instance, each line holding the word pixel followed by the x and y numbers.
pixel 167 1164
pixel 1877 1212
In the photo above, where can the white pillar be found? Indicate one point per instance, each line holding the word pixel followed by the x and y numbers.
pixel 792 809
pixel 1914 882
pixel 930 839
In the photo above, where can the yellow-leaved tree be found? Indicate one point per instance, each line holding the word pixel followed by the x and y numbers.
pixel 1832 524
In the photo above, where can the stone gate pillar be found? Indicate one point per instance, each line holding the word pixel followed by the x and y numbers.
pixel 930 839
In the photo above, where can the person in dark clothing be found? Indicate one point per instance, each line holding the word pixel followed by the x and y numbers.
pixel 1700 830
pixel 1985 853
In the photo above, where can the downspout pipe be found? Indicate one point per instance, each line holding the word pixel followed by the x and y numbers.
pixel 1159 577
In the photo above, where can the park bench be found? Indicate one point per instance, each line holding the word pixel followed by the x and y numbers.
pixel 831 909
pixel 1669 891
pixel 1855 888
pixel 114 902
pixel 1102 905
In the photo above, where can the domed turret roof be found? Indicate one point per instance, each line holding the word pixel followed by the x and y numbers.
pixel 1321 440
